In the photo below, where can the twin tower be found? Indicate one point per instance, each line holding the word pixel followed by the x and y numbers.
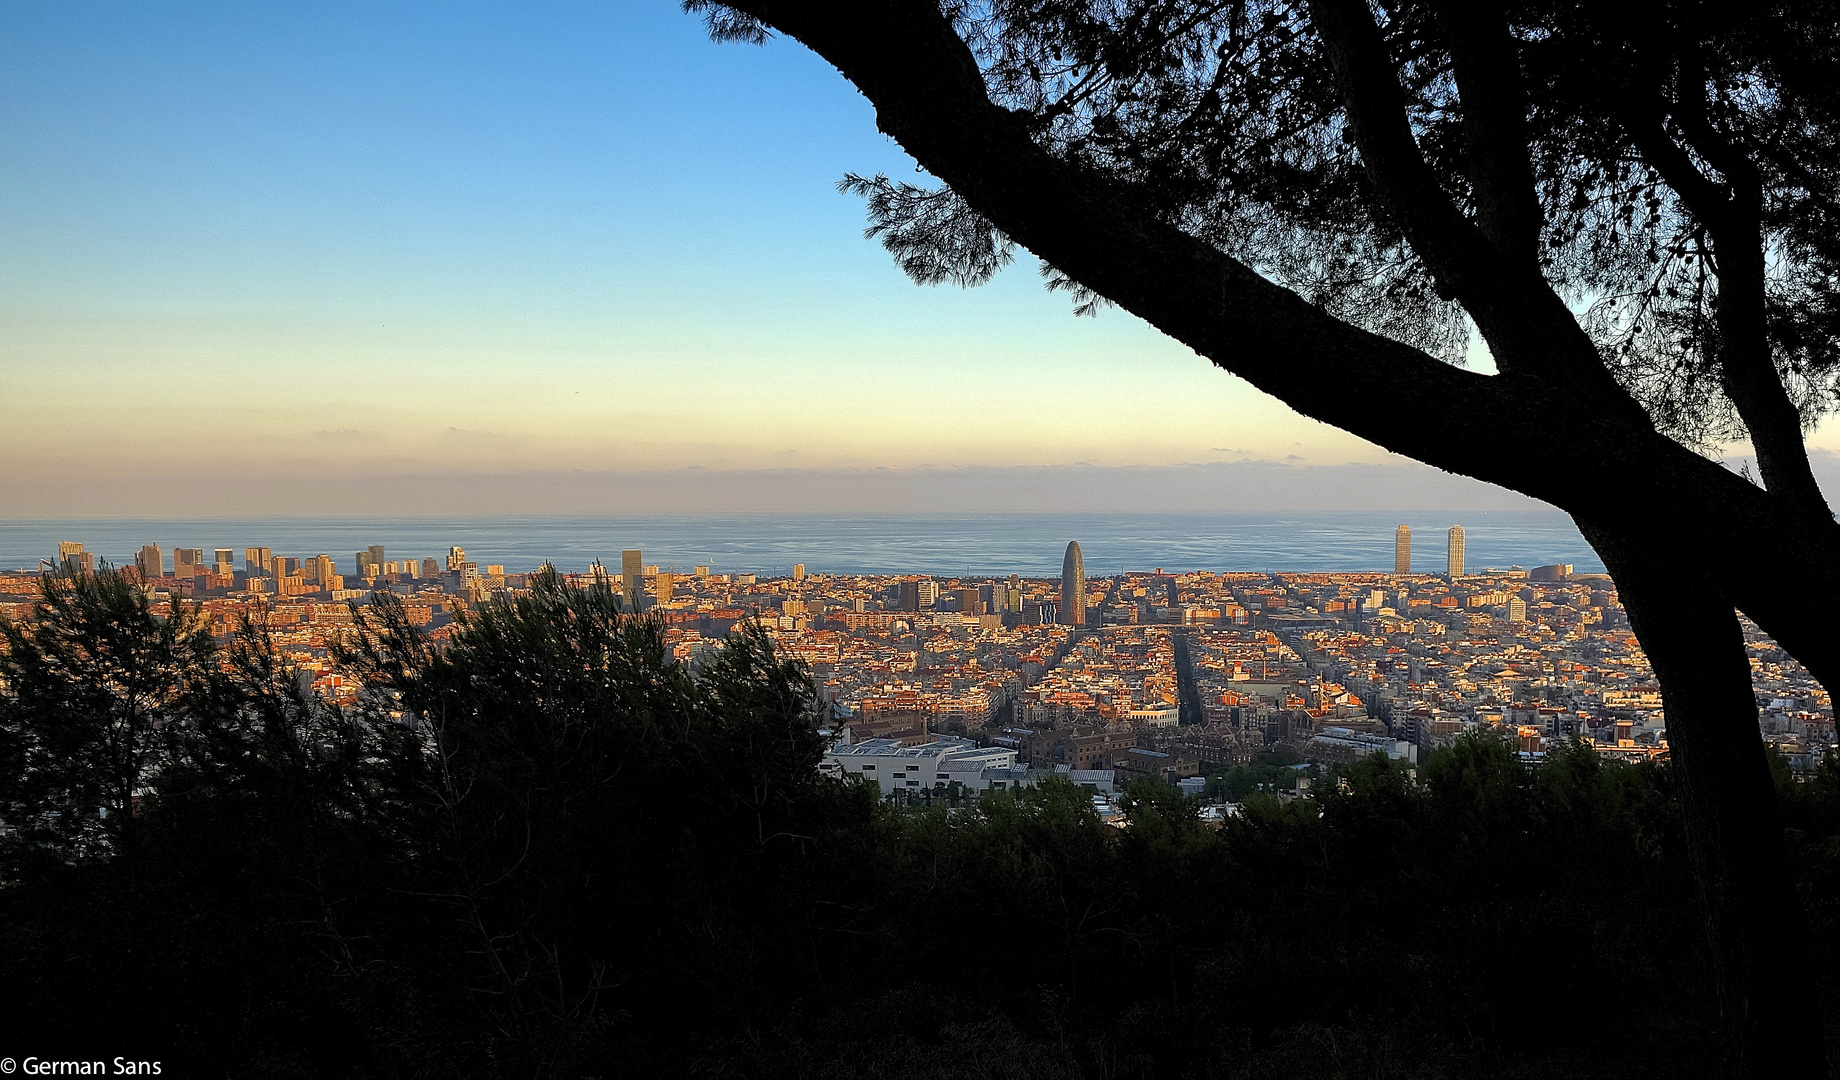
pixel 1402 551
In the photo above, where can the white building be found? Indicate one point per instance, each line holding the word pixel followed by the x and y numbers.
pixel 937 765
pixel 1340 744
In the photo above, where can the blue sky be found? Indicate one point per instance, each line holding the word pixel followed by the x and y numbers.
pixel 313 246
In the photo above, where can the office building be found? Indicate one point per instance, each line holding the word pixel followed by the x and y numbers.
pixel 1402 550
pixel 71 558
pixel 632 579
pixel 1555 572
pixel 256 560
pixel 224 561
pixel 430 569
pixel 667 584
pixel 1073 586
pixel 370 561
pixel 909 596
pixel 324 574
pixel 188 562
pixel 150 562
pixel 1456 551
pixel 700 571
pixel 798 571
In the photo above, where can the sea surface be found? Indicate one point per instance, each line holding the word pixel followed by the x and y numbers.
pixel 940 544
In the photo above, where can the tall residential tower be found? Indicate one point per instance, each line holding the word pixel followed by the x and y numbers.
pixel 632 578
pixel 1456 551
pixel 1073 586
pixel 1402 550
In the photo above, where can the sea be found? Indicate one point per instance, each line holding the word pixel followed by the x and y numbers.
pixel 946 545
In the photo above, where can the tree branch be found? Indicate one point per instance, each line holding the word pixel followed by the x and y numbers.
pixel 1528 327
pixel 1487 69
pixel 1594 462
pixel 1732 213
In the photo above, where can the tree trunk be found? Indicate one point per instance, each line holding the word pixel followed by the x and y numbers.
pixel 1753 918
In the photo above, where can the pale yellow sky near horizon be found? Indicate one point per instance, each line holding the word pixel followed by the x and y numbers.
pixel 613 391
pixel 301 247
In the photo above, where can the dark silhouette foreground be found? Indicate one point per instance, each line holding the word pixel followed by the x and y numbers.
pixel 552 850
pixel 1632 205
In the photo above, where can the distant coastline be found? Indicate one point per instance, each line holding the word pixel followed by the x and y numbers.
pixel 877 542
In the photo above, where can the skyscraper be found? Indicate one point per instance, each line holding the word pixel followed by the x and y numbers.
pixel 1073 586
pixel 798 571
pixel 1456 551
pixel 1402 550
pixel 323 572
pixel 632 578
pixel 256 560
pixel 456 558
pixel 150 562
pixel 188 562
pixel 667 582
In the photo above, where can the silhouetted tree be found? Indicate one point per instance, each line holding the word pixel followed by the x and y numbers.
pixel 1634 207
pixel 101 692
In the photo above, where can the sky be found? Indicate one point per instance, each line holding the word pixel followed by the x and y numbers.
pixel 367 258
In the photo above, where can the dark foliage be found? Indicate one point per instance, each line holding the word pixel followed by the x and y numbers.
pixel 550 849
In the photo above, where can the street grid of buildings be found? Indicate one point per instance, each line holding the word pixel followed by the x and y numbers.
pixel 975 683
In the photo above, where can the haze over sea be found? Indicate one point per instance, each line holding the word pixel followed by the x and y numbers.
pixel 941 544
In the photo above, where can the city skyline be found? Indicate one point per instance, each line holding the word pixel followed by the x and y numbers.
pixel 1286 545
pixel 292 575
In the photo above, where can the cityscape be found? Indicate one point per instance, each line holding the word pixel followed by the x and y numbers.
pixel 1156 673
pixel 1067 540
